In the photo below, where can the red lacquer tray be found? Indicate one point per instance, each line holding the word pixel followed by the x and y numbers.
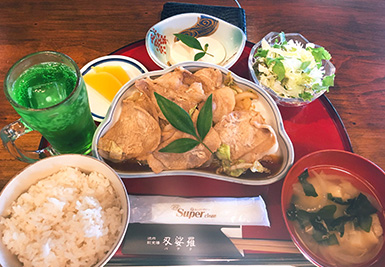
pixel 314 127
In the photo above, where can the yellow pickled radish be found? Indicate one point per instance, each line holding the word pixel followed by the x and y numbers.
pixel 103 82
pixel 117 71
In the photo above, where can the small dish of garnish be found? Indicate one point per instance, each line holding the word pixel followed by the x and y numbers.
pixel 333 206
pixel 194 37
pixel 104 77
pixel 291 69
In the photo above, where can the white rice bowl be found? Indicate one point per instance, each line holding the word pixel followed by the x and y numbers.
pixel 74 216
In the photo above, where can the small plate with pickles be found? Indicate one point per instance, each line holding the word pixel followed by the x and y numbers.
pixel 104 76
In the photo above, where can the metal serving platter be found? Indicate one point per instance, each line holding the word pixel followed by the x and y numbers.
pixel 271 113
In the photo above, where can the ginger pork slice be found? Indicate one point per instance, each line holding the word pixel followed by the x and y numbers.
pixel 247 135
pixel 210 78
pixel 134 135
pixel 194 158
pixel 223 103
pixel 175 86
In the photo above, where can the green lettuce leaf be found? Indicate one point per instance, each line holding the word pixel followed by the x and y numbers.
pixel 319 53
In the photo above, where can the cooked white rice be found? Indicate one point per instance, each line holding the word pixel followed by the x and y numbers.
pixel 67 219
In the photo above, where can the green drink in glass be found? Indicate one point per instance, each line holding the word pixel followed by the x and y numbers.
pixel 48 92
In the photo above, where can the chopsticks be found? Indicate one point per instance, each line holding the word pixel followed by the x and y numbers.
pixel 277 246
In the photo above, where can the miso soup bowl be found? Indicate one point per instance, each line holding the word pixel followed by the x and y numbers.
pixel 48 166
pixel 362 173
pixel 273 117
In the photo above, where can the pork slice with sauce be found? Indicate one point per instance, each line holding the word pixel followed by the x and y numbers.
pixel 161 161
pixel 210 78
pixel 133 136
pixel 247 136
pixel 223 102
pixel 185 92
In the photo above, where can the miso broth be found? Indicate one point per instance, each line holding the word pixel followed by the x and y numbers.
pixel 337 217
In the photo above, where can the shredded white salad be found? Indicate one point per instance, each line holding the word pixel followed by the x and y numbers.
pixel 291 70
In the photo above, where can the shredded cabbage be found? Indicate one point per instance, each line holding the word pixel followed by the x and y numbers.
pixel 291 70
pixel 237 168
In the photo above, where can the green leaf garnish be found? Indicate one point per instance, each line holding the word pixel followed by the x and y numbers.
pixel 205 118
pixel 180 145
pixel 194 43
pixel 308 188
pixel 199 55
pixel 176 115
pixel 182 121
pixel 190 41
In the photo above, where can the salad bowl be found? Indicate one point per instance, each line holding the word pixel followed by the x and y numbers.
pixel 297 75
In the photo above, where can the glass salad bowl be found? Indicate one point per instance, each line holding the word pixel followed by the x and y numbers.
pixel 284 77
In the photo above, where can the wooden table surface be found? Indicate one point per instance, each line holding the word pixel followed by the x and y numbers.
pixel 353 31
